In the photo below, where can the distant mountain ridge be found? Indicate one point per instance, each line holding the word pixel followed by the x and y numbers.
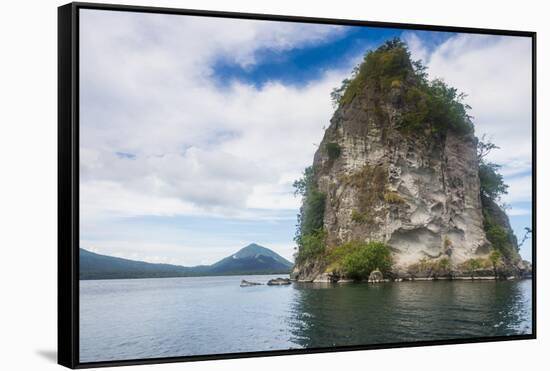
pixel 251 259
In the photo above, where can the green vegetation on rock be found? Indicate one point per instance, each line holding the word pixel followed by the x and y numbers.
pixel 333 150
pixel 357 259
pixel 491 182
pixel 495 258
pixel 428 105
pixel 311 245
pixel 473 264
pixel 436 107
pixel 310 236
pixel 310 218
pixel 393 197
pixel 492 187
pixel 358 217
pixel 444 266
pixel 500 238
pixel 431 267
pixel 381 68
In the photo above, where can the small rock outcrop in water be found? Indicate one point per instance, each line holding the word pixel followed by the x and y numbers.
pixel 376 276
pixel 279 281
pixel 245 283
pixel 399 165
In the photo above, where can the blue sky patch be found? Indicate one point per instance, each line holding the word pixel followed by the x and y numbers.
pixel 300 65
pixel 125 155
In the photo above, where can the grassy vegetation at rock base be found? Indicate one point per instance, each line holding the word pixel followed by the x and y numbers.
pixel 357 259
pixel 442 267
pixel 431 267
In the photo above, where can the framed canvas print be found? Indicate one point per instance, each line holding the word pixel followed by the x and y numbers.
pixel 237 185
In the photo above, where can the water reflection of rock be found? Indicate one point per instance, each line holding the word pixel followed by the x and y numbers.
pixel 328 315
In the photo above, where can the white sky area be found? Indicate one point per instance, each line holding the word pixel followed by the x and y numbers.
pixel 161 140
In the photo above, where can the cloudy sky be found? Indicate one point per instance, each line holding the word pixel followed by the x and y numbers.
pixel 193 128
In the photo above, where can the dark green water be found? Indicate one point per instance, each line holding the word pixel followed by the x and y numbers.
pixel 412 311
pixel 128 319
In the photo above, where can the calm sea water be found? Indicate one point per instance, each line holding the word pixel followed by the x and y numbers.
pixel 164 317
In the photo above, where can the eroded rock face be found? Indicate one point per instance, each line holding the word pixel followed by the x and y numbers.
pixel 418 193
pixel 308 270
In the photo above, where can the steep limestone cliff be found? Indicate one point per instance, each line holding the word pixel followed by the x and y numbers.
pixel 398 164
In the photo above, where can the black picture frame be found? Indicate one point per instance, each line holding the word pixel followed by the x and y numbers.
pixel 68 180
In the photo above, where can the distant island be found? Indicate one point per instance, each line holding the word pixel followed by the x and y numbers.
pixel 251 259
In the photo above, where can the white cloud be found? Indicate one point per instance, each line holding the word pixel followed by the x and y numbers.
pixel 518 211
pixel 417 47
pixel 519 190
pixel 147 90
pixel 103 200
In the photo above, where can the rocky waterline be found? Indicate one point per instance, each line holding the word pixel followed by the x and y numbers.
pixel 328 278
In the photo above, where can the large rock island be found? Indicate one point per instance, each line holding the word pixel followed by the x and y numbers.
pixel 399 183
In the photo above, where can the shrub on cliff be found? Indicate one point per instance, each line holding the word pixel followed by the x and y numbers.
pixel 491 182
pixel 311 245
pixel 393 197
pixel 500 239
pixel 358 217
pixel 495 221
pixel 312 212
pixel 361 258
pixel 310 236
pixel 333 150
